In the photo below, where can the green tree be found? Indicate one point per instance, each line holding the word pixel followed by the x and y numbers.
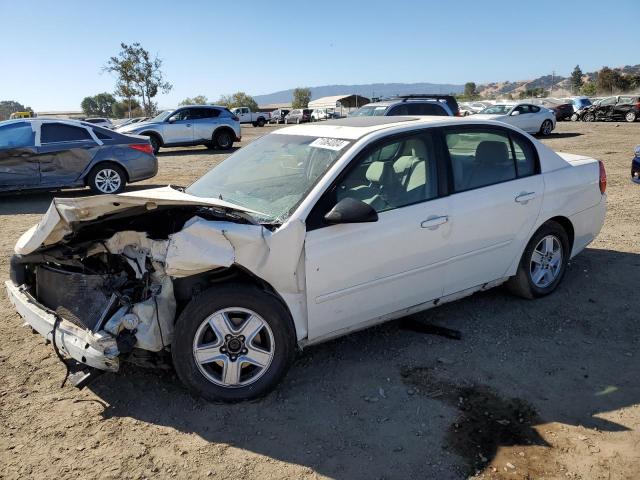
pixel 470 90
pixel 576 79
pixel 589 89
pixel 7 107
pixel 301 98
pixel 238 99
pixel 123 108
pixel 139 75
pixel 197 100
pixel 100 105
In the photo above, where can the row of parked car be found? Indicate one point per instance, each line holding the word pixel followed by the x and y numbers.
pixel 614 108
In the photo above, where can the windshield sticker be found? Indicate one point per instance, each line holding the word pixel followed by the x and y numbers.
pixel 329 143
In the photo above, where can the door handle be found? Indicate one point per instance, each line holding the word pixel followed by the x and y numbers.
pixel 525 197
pixel 434 222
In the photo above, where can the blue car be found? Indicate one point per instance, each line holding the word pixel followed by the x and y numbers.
pixel 635 166
pixel 39 154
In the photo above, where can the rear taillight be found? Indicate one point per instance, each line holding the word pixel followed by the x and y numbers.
pixel 603 177
pixel 638 105
pixel 143 147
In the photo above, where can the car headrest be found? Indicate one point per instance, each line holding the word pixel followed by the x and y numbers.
pixel 414 148
pixel 491 152
pixel 376 171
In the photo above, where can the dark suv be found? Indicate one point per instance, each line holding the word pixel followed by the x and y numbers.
pixel 436 105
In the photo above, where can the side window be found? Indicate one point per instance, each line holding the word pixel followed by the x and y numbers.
pixel 479 158
pixel 525 156
pixel 17 135
pixel 402 109
pixel 393 175
pixel 59 132
pixel 534 108
pixel 625 100
pixel 102 133
pixel 523 109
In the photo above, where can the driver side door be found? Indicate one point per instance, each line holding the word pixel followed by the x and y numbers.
pixel 179 128
pixel 358 274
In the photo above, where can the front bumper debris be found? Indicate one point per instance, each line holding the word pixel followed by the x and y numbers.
pixel 97 350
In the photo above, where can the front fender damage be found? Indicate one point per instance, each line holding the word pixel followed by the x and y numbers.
pixel 136 270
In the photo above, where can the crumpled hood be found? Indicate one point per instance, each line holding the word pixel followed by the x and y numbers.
pixel 58 221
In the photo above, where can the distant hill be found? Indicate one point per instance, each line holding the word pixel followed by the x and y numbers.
pixel 561 87
pixel 367 90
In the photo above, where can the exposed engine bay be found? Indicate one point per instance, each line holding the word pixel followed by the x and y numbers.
pixel 112 277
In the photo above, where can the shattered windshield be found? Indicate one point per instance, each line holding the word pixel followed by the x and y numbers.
pixel 271 175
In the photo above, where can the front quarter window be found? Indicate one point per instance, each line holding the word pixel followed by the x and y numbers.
pixel 271 175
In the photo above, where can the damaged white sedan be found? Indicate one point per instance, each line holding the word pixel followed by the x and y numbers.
pixel 307 233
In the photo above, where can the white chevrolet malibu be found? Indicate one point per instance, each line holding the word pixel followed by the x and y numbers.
pixel 528 117
pixel 308 233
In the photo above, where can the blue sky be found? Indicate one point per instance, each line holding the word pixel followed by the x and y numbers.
pixel 52 52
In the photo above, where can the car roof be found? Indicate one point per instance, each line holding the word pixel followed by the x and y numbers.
pixel 196 106
pixel 393 101
pixel 354 128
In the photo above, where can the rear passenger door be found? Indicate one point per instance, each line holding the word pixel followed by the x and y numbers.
pixel 204 122
pixel 496 197
pixel 65 152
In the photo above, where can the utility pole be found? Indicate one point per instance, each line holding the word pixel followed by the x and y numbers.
pixel 553 76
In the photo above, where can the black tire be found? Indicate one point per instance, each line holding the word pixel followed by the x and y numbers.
pixel 522 283
pixel 546 128
pixel 155 143
pixel 223 139
pixel 589 117
pixel 631 116
pixel 97 179
pixel 244 296
pixel 260 122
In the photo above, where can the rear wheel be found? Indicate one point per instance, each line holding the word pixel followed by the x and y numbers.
pixel 155 143
pixel 260 122
pixel 631 116
pixel 223 140
pixel 543 262
pixel 107 178
pixel 233 343
pixel 546 128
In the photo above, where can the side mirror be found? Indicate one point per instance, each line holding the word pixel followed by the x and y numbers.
pixel 172 119
pixel 515 112
pixel 350 210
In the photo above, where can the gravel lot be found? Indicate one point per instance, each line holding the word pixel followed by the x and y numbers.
pixel 535 389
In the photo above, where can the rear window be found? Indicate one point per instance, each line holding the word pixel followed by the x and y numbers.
pixel 102 133
pixel 415 108
pixel 58 132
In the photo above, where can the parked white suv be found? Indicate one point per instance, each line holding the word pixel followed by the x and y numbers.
pixel 210 125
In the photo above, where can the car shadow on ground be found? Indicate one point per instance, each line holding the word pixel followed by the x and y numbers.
pixel 182 152
pixel 553 135
pixel 390 403
pixel 38 202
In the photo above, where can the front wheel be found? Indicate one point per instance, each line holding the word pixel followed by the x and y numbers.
pixel 155 144
pixel 223 140
pixel 543 262
pixel 575 117
pixel 631 117
pixel 546 128
pixel 233 343
pixel 107 178
pixel 589 117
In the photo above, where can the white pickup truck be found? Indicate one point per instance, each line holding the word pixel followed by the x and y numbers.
pixel 308 233
pixel 257 119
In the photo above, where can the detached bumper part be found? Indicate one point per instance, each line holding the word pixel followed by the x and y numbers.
pixel 97 350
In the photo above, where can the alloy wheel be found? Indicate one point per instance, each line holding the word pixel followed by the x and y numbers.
pixel 107 180
pixel 233 347
pixel 546 261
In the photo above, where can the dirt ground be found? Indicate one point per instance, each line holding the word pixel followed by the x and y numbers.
pixel 535 389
